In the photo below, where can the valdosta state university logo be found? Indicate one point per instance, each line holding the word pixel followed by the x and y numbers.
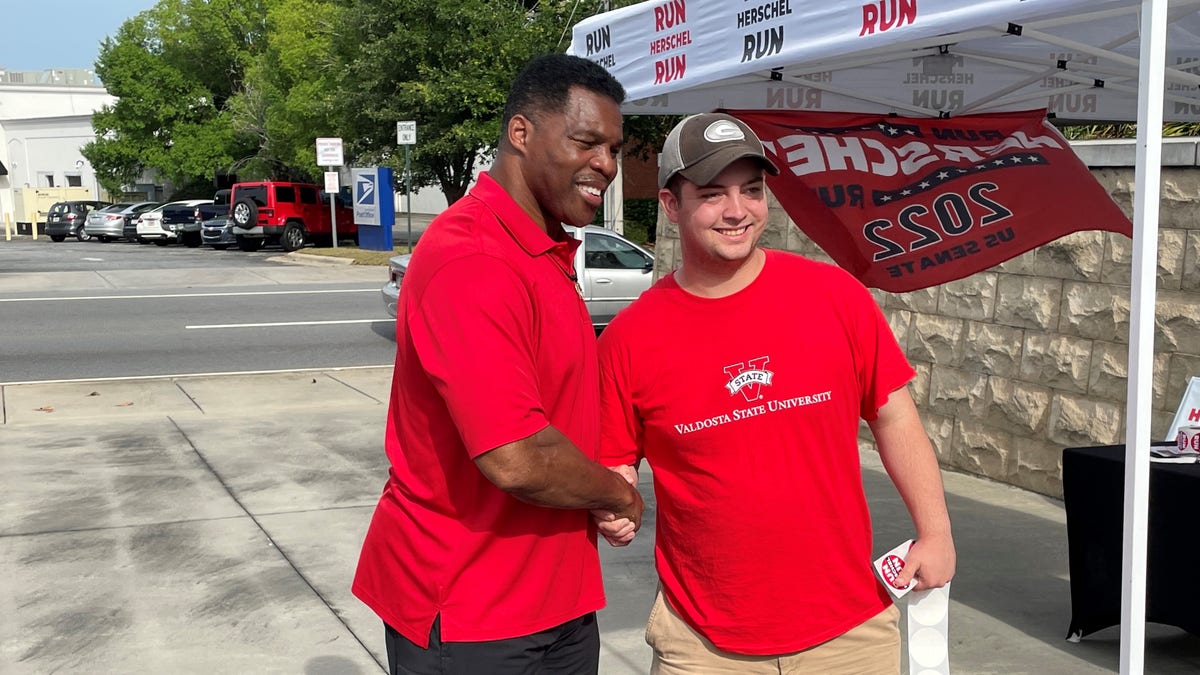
pixel 749 377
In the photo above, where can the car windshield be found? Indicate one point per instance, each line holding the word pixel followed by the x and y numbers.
pixel 60 208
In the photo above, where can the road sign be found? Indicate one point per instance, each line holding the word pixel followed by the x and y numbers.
pixel 331 182
pixel 406 133
pixel 329 152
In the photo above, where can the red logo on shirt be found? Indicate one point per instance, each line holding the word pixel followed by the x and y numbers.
pixel 749 379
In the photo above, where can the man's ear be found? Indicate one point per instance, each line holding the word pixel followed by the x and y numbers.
pixel 518 133
pixel 670 205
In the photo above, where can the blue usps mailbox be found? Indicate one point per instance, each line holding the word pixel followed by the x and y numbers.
pixel 374 207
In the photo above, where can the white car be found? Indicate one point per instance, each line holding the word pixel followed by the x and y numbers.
pixel 150 225
pixel 612 271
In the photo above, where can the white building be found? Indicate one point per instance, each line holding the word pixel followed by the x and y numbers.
pixel 45 119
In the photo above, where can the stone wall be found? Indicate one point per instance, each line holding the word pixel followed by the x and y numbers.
pixel 1029 357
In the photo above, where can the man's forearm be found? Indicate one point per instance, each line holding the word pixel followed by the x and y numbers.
pixel 548 470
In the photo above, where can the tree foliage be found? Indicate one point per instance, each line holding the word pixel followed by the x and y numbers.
pixel 446 64
pixel 206 87
pixel 173 68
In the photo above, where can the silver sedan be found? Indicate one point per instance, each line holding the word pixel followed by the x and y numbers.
pixel 612 270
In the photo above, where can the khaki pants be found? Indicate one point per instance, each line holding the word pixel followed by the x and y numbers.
pixel 871 648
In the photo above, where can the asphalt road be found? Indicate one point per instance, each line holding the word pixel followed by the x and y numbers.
pixel 82 310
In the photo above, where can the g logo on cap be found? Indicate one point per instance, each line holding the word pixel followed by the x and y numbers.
pixel 723 130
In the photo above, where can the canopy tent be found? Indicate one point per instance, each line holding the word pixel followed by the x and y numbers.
pixel 1077 58
pixel 1083 60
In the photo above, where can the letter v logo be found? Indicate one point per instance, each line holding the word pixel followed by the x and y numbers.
pixel 749 380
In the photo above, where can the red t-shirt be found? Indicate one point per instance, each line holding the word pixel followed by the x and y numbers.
pixel 748 408
pixel 493 343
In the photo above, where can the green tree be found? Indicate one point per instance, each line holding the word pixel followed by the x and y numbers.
pixel 173 69
pixel 447 64
pixel 287 98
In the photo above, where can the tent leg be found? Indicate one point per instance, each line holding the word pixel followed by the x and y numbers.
pixel 1148 172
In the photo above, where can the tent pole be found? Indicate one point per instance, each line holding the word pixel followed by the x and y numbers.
pixel 1148 171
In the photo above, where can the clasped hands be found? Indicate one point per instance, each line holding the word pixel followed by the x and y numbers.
pixel 618 531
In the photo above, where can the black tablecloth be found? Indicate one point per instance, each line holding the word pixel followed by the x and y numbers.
pixel 1094 493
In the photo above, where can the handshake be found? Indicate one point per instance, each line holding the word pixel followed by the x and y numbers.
pixel 619 529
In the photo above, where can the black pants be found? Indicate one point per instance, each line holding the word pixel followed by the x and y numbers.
pixel 570 649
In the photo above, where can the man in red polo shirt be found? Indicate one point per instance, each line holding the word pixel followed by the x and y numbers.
pixel 481 555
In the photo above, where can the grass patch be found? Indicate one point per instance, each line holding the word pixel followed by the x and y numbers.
pixel 358 255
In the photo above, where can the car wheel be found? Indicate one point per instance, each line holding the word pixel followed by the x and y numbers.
pixel 58 237
pixel 220 247
pixel 81 235
pixel 250 244
pixel 191 239
pixel 245 213
pixel 292 237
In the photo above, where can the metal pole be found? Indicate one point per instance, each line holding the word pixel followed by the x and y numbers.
pixel 333 211
pixel 408 197
pixel 1151 81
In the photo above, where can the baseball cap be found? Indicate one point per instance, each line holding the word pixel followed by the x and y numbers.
pixel 701 146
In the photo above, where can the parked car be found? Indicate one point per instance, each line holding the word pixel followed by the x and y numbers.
pixel 289 213
pixel 612 272
pixel 177 218
pixel 65 219
pixel 218 232
pixel 192 232
pixel 130 216
pixel 104 224
pixel 157 226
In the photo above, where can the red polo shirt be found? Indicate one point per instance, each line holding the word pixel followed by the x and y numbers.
pixel 493 343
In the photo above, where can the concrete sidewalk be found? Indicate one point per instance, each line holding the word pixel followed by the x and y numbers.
pixel 211 525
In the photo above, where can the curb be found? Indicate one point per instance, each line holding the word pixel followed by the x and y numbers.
pixel 309 259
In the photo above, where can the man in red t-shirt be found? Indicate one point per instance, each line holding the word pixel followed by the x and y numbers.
pixel 747 407
pixel 481 555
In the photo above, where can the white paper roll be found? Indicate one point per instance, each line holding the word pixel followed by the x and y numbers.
pixel 928 614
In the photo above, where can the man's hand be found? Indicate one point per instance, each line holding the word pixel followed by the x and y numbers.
pixel 931 560
pixel 620 531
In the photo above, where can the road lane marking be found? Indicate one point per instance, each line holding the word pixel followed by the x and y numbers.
pixel 193 295
pixel 286 323
pixel 126 378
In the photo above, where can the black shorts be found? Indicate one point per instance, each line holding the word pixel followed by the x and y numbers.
pixel 570 649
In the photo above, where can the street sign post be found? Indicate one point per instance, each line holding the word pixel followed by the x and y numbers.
pixel 329 155
pixel 406 135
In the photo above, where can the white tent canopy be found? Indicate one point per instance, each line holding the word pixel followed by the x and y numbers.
pixel 1082 60
pixel 1076 58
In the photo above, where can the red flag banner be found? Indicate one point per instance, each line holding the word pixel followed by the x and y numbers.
pixel 908 203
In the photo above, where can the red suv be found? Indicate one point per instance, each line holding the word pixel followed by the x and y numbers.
pixel 290 213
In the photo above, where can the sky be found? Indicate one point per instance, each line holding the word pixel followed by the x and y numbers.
pixel 43 34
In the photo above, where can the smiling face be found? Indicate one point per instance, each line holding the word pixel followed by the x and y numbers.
pixel 719 223
pixel 571 157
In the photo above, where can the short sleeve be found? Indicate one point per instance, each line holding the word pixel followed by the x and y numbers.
pixel 882 366
pixel 621 428
pixel 471 330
